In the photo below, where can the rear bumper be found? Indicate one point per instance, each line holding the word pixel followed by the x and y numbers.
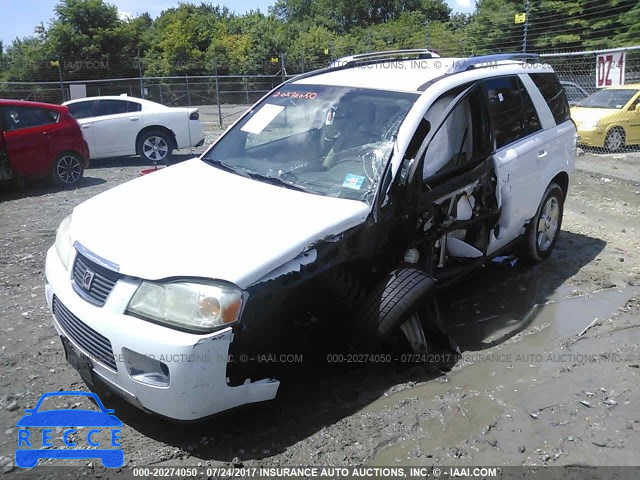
pixel 84 152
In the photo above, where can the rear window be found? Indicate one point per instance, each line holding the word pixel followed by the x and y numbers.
pixel 81 109
pixel 554 94
pixel 114 107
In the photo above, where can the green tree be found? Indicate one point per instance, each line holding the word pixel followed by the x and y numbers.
pixel 492 27
pixel 180 37
pixel 85 29
pixel 630 31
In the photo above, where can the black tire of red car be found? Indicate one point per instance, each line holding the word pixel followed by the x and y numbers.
pixel 615 139
pixel 156 147
pixel 67 169
pixel 544 229
pixel 389 305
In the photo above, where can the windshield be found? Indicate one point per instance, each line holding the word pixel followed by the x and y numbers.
pixel 614 98
pixel 333 141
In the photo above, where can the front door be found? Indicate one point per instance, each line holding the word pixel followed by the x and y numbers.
pixel 28 145
pixel 455 175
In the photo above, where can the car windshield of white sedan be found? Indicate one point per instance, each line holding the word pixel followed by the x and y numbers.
pixel 332 141
pixel 614 98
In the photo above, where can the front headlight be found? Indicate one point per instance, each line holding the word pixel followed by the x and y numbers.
pixel 63 244
pixel 188 305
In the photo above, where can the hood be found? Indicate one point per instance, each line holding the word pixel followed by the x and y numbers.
pixel 586 114
pixel 195 220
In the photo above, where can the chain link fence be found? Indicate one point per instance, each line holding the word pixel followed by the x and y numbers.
pixel 581 73
pixel 609 121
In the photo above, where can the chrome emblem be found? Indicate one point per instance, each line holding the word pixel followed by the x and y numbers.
pixel 87 280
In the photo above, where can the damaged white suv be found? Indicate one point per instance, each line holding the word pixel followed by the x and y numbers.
pixel 344 199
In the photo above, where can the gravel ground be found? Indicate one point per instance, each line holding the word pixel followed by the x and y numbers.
pixel 548 376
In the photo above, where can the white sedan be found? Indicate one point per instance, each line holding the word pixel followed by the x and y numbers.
pixel 116 126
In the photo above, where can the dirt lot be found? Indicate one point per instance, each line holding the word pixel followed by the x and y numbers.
pixel 548 376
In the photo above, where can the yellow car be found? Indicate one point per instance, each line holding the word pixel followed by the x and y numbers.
pixel 609 118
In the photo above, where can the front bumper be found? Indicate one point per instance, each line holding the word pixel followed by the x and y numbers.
pixel 196 133
pixel 194 365
pixel 591 138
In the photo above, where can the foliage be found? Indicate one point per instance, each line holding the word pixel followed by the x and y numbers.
pixel 88 36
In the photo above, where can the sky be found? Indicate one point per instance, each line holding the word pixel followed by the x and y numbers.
pixel 19 17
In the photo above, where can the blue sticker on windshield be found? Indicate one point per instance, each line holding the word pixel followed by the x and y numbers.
pixel 353 181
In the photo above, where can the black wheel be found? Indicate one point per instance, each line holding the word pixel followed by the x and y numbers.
pixel 542 232
pixel 155 146
pixel 67 169
pixel 615 140
pixel 390 304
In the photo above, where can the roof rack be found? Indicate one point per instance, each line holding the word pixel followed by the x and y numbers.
pixel 352 60
pixel 484 61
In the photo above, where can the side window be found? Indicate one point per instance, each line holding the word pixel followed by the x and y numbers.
pixel 554 94
pixel 16 118
pixel 133 107
pixel 462 139
pixel 511 109
pixel 82 109
pixel 531 119
pixel 111 107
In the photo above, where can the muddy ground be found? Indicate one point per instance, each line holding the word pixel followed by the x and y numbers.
pixel 548 375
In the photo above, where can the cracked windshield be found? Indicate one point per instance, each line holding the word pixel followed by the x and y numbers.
pixel 332 141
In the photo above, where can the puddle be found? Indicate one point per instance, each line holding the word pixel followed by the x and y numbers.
pixel 509 346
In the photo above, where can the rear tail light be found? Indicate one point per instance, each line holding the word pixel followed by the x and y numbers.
pixel 194 116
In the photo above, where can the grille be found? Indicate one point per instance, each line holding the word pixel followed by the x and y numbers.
pixel 96 345
pixel 101 285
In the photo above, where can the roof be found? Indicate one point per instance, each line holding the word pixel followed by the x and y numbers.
pixel 26 103
pixel 123 97
pixel 403 75
pixel 411 75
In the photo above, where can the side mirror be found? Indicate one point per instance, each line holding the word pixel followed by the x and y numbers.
pixel 638 108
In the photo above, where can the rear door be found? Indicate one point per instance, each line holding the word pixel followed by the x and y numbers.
pixel 559 133
pixel 518 151
pixel 116 127
pixel 28 145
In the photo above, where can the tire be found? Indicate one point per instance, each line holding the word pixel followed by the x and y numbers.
pixel 67 169
pixel 389 305
pixel 543 230
pixel 156 147
pixel 615 140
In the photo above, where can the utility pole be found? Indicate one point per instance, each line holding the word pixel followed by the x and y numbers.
pixel 283 67
pixel 64 97
pixel 427 38
pixel 140 71
pixel 215 71
pixel 526 25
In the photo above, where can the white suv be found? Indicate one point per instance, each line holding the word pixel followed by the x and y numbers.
pixel 341 202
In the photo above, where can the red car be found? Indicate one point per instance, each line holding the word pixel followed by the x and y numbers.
pixel 40 140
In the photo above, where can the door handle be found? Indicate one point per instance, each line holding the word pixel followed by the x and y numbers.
pixel 542 153
pixel 134 119
pixel 84 127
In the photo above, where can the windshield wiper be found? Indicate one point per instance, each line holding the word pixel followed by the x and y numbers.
pixel 275 181
pixel 226 167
